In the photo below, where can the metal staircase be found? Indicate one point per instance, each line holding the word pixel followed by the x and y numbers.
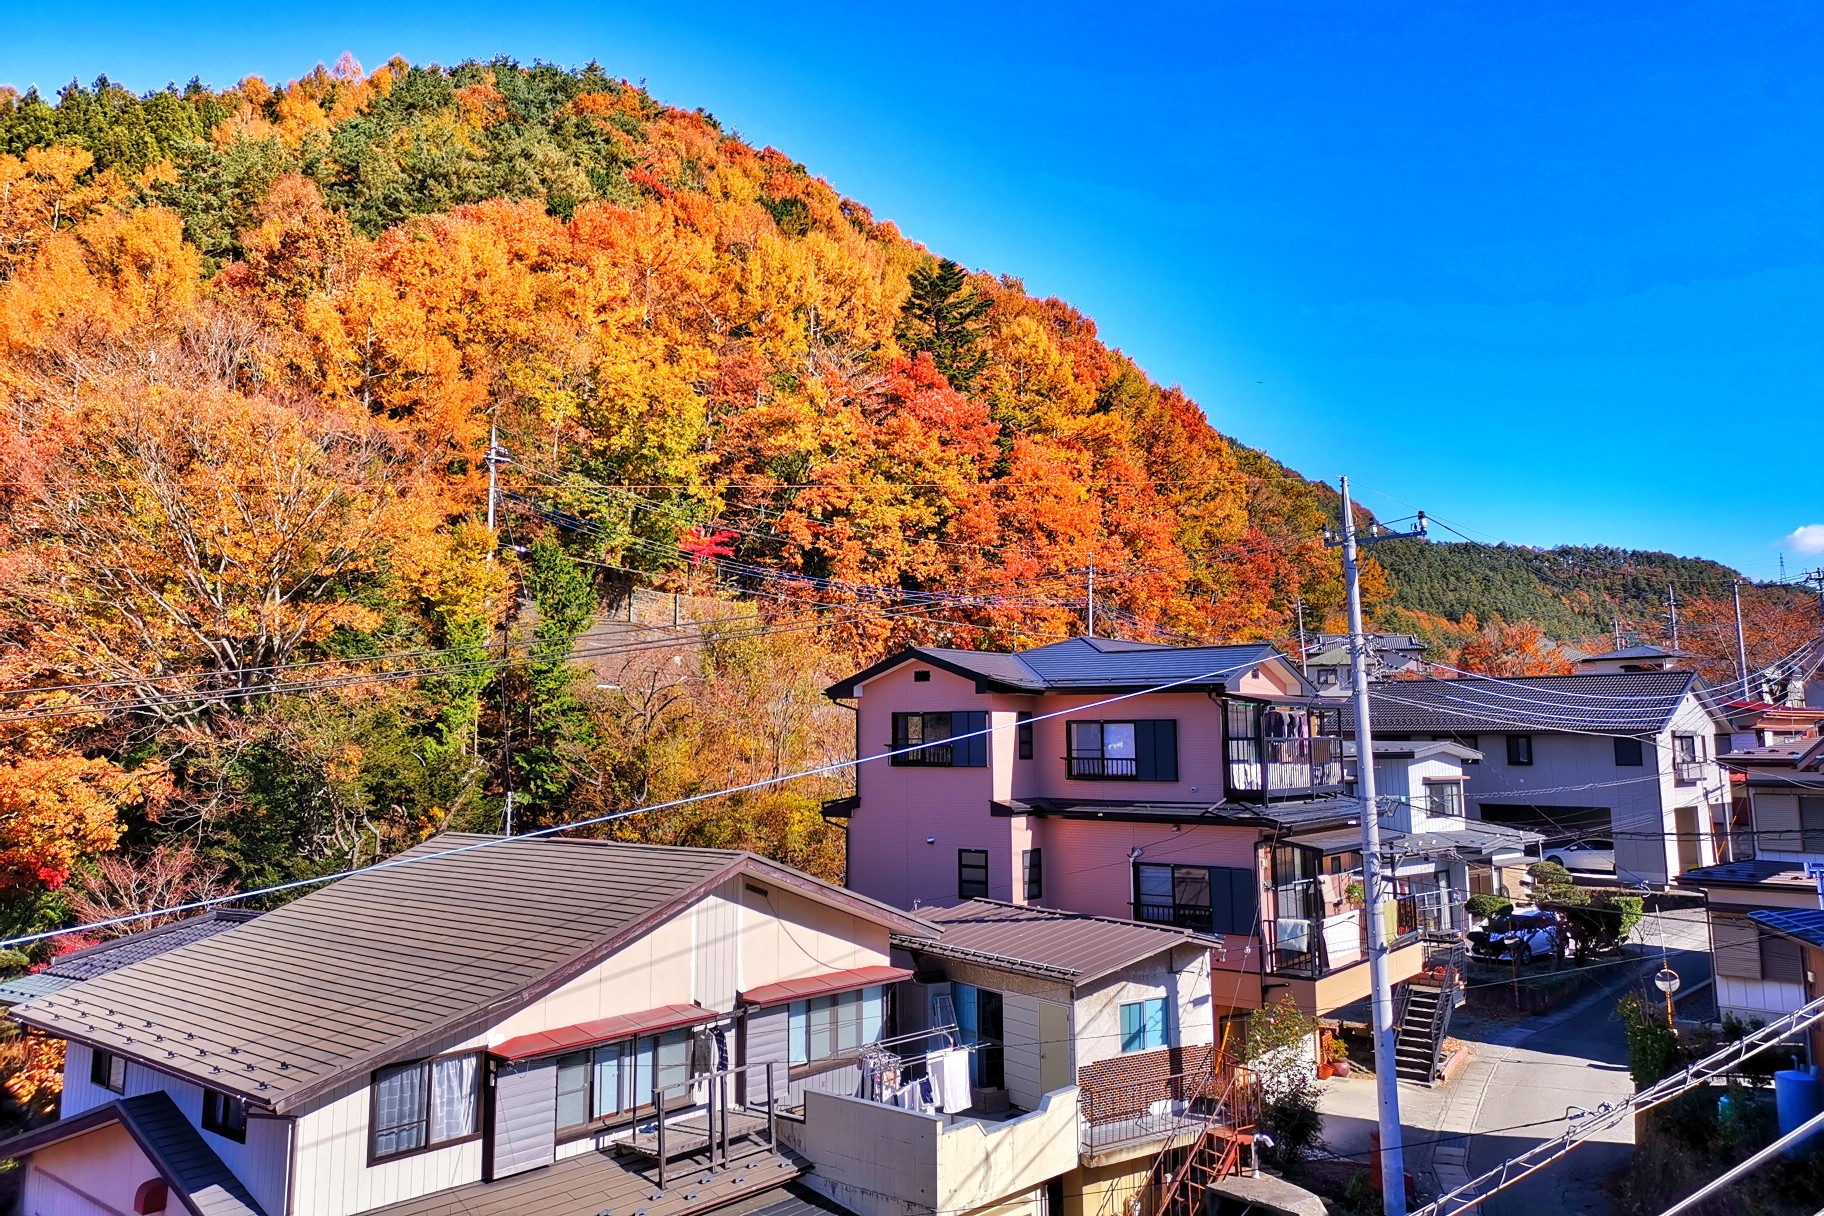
pixel 1183 1171
pixel 1426 1007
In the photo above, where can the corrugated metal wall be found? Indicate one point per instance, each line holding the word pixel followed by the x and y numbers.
pixel 525 1117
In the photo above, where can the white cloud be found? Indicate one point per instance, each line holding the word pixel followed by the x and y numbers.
pixel 1807 539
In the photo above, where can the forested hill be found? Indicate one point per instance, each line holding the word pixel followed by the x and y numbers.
pixel 254 341
pixel 1569 592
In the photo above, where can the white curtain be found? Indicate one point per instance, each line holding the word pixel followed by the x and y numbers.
pixel 453 1098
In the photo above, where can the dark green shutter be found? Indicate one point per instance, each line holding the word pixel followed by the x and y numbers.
pixel 1156 749
pixel 971 752
pixel 1232 900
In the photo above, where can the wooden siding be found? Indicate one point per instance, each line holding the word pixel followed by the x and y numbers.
pixel 261 1164
pixel 716 956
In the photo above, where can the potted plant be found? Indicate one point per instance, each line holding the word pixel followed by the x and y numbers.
pixel 1336 1055
pixel 1355 895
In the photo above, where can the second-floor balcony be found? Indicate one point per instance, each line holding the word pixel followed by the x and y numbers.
pixel 1317 946
pixel 1688 770
pixel 1282 751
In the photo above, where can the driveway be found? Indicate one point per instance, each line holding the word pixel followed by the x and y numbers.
pixel 1522 1080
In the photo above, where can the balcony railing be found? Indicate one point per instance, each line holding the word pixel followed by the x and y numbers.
pixel 1688 771
pixel 1198 918
pixel 1155 1108
pixel 1102 768
pixel 1320 946
pixel 1293 767
pixel 938 755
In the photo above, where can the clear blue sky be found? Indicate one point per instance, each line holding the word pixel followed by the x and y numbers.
pixel 1553 271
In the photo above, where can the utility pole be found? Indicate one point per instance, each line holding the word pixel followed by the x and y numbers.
pixel 1386 1034
pixel 509 814
pixel 1092 598
pixel 1672 602
pixel 1741 646
pixel 493 482
pixel 1303 666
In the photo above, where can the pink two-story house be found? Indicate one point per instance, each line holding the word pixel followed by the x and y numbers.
pixel 1201 787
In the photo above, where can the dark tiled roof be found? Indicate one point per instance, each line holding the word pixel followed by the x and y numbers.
pixel 1759 871
pixel 175 1147
pixel 1098 664
pixel 1805 924
pixel 1631 702
pixel 1636 652
pixel 1289 815
pixel 1064 945
pixel 382 964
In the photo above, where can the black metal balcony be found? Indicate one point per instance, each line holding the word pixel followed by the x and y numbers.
pixel 1102 768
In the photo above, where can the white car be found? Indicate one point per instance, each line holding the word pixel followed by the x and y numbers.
pixel 1584 856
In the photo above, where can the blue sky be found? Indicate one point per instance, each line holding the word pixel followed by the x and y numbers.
pixel 1554 272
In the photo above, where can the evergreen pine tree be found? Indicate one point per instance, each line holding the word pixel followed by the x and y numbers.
pixel 943 316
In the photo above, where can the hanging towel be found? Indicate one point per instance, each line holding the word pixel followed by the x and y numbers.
pixel 949 1070
pixel 927 1101
pixel 721 1049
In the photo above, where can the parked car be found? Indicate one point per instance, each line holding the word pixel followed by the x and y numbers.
pixel 1523 935
pixel 1585 856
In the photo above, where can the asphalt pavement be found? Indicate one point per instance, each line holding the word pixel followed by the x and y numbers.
pixel 1523 1079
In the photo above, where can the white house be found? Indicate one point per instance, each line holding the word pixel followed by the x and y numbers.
pixel 487 1026
pixel 1625 756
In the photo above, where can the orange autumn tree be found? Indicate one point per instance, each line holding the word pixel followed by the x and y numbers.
pixel 1519 649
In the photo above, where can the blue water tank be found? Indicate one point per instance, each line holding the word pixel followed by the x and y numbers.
pixel 1798 1097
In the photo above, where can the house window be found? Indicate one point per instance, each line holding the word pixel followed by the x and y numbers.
pixel 972 873
pixel 620 1077
pixel 824 1026
pixel 979 1019
pixel 425 1104
pixel 930 740
pixel 1687 760
pixel 921 677
pixel 1445 798
pixel 1025 734
pixel 1781 960
pixel 1145 750
pixel 225 1115
pixel 1519 749
pixel 1204 899
pixel 1143 1026
pixel 1628 753
pixel 1811 824
pixel 108 1071
pixel 1035 874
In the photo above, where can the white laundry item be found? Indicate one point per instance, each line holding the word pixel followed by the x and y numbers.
pixel 951 1075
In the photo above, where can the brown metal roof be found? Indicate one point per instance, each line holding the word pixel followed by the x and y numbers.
pixel 380 965
pixel 822 985
pixel 601 1030
pixel 1060 945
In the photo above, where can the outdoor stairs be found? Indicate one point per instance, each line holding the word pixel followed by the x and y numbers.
pixel 1422 1030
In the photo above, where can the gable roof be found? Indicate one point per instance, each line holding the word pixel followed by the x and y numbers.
pixel 1070 946
pixel 1629 702
pixel 1084 665
pixel 178 1151
pixel 86 964
pixel 381 965
pixel 1635 652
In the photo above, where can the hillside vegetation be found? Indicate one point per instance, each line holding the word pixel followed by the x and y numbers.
pixel 254 624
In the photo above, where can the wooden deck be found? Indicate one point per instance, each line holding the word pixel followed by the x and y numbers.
pixel 688 1135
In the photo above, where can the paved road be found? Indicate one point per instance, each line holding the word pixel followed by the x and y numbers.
pixel 1528 1072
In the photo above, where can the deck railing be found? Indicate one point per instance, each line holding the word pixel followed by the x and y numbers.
pixel 1154 1108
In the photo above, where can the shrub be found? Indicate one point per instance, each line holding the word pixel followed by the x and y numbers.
pixel 1552 883
pixel 1485 905
pixel 1652 1047
pixel 1295 1125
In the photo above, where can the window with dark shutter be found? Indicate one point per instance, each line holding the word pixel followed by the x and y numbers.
pixel 972 873
pixel 1520 749
pixel 225 1115
pixel 1781 960
pixel 1811 824
pixel 1035 874
pixel 1025 734
pixel 941 740
pixel 108 1071
pixel 1156 748
pixel 1628 753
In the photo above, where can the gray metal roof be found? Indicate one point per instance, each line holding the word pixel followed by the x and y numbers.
pixel 1474 839
pixel 1629 702
pixel 1289 815
pixel 1100 664
pixel 1805 924
pixel 175 1147
pixel 380 965
pixel 1069 946
pixel 1755 872
pixel 1636 652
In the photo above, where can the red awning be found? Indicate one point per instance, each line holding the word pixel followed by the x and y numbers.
pixel 823 985
pixel 602 1030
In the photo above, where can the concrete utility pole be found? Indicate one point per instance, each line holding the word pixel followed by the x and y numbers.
pixel 1386 1034
pixel 1090 624
pixel 1672 603
pixel 493 481
pixel 1741 647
